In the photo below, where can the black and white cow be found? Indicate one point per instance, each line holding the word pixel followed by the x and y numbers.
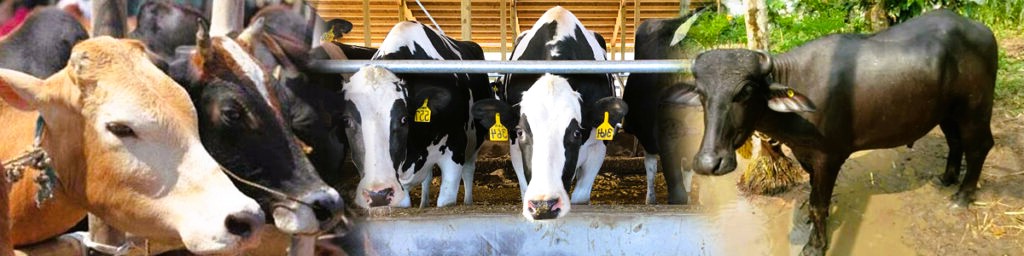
pixel 390 149
pixel 654 123
pixel 556 115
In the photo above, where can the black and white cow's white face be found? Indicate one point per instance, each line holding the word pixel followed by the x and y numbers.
pixel 550 135
pixel 376 121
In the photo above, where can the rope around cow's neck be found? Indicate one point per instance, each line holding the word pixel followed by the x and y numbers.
pixel 36 158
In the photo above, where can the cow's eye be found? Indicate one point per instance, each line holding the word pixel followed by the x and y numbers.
pixel 120 130
pixel 744 93
pixel 231 114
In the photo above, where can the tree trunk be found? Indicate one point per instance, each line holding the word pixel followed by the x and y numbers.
pixel 875 15
pixel 109 18
pixel 757 25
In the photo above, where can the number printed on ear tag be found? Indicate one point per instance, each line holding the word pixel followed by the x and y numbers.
pixel 498 131
pixel 605 131
pixel 423 113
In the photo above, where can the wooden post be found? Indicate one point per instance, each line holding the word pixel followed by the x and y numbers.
pixel 102 233
pixel 515 18
pixel 109 18
pixel 719 6
pixel 366 24
pixel 618 27
pixel 757 25
pixel 6 248
pixel 467 20
pixel 636 24
pixel 404 13
pixel 228 15
pixel 501 16
pixel 684 7
pixel 318 26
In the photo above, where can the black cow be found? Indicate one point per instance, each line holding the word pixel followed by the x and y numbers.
pixel 308 105
pixel 556 115
pixel 848 92
pixel 390 146
pixel 649 119
pixel 42 45
pixel 241 126
pixel 164 26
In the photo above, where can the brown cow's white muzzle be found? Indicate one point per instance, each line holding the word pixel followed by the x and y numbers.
pixel 233 233
pixel 319 211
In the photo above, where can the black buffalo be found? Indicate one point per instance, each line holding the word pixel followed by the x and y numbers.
pixel 848 92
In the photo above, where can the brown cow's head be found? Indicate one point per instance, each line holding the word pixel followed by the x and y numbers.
pixel 735 88
pixel 125 144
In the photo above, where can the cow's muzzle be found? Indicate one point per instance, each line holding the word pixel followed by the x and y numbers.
pixel 714 163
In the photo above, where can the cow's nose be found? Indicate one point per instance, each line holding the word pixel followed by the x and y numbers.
pixel 243 224
pixel 326 208
pixel 381 197
pixel 706 164
pixel 544 209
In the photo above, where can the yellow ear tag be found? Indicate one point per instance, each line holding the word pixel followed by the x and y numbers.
pixel 605 131
pixel 328 35
pixel 498 131
pixel 423 113
pixel 790 93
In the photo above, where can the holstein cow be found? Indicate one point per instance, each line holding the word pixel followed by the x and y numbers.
pixel 125 148
pixel 848 92
pixel 42 45
pixel 400 126
pixel 240 124
pixel 556 116
pixel 649 118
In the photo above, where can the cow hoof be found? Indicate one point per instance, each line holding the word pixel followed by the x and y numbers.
pixel 962 199
pixel 683 200
pixel 812 251
pixel 948 181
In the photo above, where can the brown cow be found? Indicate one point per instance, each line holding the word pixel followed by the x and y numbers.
pixel 124 142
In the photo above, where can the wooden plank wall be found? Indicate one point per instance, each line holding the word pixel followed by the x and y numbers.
pixel 597 15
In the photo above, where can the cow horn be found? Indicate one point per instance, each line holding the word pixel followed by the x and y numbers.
pixel 766 62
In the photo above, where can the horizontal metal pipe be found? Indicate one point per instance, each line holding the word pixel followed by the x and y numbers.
pixel 517 67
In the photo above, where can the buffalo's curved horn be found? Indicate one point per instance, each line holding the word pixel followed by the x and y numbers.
pixel 766 62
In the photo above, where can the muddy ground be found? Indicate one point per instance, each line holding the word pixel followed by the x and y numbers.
pixel 886 202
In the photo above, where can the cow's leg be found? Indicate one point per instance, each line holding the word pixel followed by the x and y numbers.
pixel 977 140
pixel 672 167
pixel 956 152
pixel 451 173
pixel 651 166
pixel 825 168
pixel 468 170
pixel 594 154
pixel 516 156
pixel 425 186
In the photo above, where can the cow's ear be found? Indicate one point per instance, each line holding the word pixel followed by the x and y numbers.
pixel 782 98
pixel 485 111
pixel 681 94
pixel 437 99
pixel 615 107
pixel 20 90
pixel 203 42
